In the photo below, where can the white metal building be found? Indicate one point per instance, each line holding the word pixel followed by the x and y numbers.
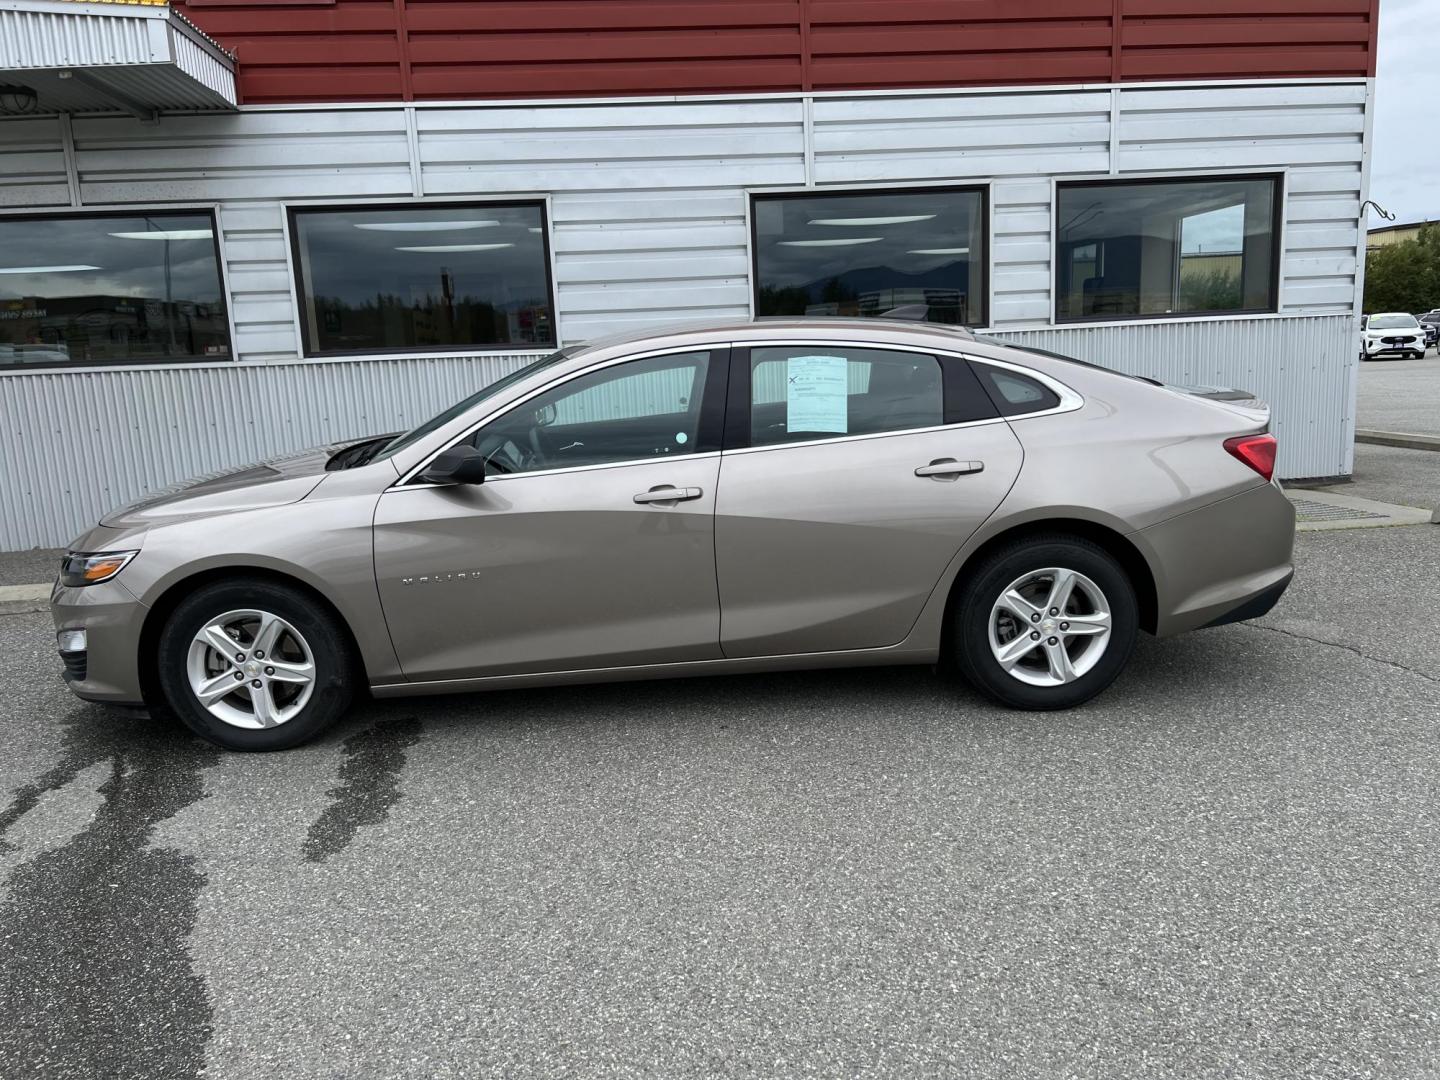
pixel 647 209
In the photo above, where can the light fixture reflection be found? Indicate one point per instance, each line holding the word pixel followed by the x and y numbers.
pixel 844 241
pixel 45 269
pixel 939 251
pixel 897 220
pixel 166 234
pixel 423 226
pixel 439 248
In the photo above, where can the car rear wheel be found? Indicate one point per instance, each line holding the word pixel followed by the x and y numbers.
pixel 254 665
pixel 1045 623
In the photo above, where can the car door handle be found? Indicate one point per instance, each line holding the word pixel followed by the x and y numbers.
pixel 949 468
pixel 668 494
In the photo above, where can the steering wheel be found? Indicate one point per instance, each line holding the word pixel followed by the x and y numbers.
pixel 503 455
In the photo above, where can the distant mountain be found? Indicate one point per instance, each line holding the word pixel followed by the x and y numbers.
pixel 872 278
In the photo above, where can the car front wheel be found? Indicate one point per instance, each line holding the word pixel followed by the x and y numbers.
pixel 254 665
pixel 1045 623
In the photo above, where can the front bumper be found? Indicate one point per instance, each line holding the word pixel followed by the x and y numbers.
pixel 111 616
pixel 1215 564
pixel 1380 348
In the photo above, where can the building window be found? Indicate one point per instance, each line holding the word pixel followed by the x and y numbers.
pixel 111 289
pixel 900 254
pixel 1167 247
pixel 413 279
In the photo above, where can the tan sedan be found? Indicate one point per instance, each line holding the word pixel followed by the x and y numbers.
pixel 738 498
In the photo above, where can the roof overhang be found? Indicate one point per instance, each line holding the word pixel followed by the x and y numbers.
pixel 135 56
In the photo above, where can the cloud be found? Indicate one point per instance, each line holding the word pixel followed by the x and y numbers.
pixel 1405 167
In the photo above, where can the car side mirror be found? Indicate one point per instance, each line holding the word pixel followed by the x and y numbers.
pixel 461 464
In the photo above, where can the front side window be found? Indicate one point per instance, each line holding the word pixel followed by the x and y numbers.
pixel 916 255
pixel 640 410
pixel 411 279
pixel 799 393
pixel 1166 247
pixel 111 289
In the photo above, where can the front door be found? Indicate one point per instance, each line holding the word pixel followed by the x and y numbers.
pixel 590 544
pixel 837 521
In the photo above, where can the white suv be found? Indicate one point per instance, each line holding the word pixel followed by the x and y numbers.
pixel 1392 333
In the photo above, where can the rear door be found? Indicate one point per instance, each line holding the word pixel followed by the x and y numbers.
pixel 852 475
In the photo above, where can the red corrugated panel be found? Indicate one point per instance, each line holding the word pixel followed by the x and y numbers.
pixel 335 50
pixel 1242 38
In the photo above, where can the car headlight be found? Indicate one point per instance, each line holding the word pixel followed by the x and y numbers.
pixel 78 568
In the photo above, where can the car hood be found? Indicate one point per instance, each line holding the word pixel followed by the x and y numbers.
pixel 271 483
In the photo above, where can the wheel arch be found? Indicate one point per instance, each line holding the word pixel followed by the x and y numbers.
pixel 147 659
pixel 1112 541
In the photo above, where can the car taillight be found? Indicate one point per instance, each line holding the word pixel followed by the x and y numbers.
pixel 1257 451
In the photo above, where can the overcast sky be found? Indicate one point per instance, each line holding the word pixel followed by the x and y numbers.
pixel 1405 171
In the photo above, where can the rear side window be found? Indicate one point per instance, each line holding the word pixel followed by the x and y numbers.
pixel 1014 394
pixel 804 392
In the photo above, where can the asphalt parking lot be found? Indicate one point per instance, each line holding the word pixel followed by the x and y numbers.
pixel 1401 395
pixel 1225 867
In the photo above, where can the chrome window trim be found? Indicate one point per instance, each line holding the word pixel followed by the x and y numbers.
pixel 1070 401
pixel 403 482
pixel 862 438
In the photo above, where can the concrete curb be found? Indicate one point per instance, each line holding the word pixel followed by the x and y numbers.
pixel 1402 439
pixel 16 594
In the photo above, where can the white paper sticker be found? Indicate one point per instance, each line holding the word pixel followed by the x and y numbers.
pixel 816 394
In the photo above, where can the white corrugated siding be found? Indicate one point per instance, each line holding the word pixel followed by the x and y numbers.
pixel 1303 367
pixel 32 163
pixel 51 39
pixel 77 444
pixel 648 206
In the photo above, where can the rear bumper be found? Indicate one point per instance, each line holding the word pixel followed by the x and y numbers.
pixel 1260 604
pixel 1227 561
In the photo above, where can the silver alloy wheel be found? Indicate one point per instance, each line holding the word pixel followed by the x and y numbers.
pixel 251 669
pixel 1050 627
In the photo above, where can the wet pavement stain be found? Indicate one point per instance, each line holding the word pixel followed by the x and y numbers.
pixel 97 979
pixel 370 785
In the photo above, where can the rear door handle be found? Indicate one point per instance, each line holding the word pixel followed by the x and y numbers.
pixel 668 494
pixel 949 468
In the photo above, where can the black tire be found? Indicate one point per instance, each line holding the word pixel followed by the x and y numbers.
pixel 334 668
pixel 985 584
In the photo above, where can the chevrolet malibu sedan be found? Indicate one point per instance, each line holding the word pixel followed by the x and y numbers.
pixel 739 498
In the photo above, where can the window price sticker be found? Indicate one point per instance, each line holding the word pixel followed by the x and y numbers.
pixel 816 394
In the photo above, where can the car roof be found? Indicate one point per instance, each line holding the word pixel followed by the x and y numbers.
pixel 894 330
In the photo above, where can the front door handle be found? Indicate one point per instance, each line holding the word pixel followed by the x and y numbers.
pixel 949 468
pixel 668 494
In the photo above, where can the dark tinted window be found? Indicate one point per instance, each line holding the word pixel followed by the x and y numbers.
pixel 820 392
pixel 1015 394
pixel 1166 247
pixel 101 289
pixel 910 255
pixel 403 279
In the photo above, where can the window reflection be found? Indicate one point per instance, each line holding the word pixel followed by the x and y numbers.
pixel 100 289
pixel 1166 247
pixel 406 278
pixel 904 255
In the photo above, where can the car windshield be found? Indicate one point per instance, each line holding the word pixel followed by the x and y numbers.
pixel 400 442
pixel 1392 322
